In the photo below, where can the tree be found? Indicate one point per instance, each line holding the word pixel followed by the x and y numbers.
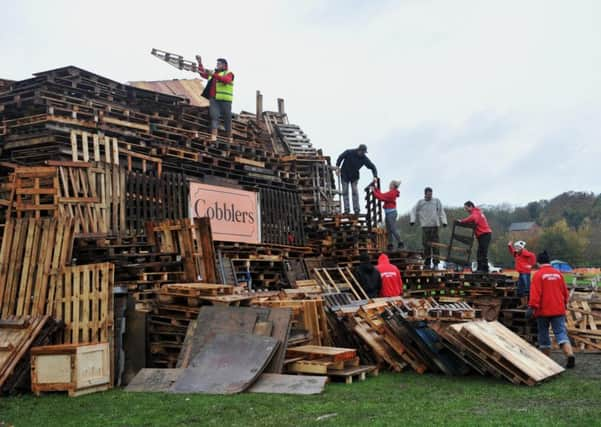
pixel 564 243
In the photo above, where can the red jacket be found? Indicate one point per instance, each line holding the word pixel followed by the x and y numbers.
pixel 392 282
pixel 478 218
pixel 228 78
pixel 389 198
pixel 548 293
pixel 524 260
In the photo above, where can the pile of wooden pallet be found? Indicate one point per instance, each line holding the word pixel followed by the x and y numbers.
pixel 341 237
pixel 584 319
pixel 425 335
pixel 491 348
pixel 333 362
pixel 264 266
pixel 153 142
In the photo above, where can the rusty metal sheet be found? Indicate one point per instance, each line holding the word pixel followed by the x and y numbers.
pixel 227 364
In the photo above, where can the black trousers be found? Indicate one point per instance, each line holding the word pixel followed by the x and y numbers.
pixel 429 236
pixel 482 255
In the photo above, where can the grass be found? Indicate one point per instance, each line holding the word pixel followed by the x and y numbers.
pixel 391 399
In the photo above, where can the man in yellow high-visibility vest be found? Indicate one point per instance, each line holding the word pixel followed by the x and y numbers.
pixel 220 93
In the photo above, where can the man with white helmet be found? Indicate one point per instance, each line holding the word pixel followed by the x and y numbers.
pixel 524 261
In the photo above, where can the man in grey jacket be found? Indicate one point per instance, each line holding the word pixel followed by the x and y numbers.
pixel 430 214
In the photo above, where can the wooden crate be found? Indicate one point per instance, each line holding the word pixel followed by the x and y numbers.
pixel 75 368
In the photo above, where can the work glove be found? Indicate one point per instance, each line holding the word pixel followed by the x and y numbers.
pixel 529 313
pixel 444 225
pixel 411 224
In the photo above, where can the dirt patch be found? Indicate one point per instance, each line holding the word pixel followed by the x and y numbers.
pixel 588 365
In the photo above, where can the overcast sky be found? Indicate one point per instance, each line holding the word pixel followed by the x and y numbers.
pixel 494 101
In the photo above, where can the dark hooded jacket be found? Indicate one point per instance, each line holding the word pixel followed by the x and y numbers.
pixel 369 278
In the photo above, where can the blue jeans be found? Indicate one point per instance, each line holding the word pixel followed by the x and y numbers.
pixel 355 191
pixel 393 233
pixel 524 285
pixel 558 323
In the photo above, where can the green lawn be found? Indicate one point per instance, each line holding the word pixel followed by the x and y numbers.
pixel 390 399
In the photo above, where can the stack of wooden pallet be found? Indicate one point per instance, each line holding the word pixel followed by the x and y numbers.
pixel 269 266
pixel 334 362
pixel 70 114
pixel 341 237
pixel 491 348
pixel 584 320
pixel 316 184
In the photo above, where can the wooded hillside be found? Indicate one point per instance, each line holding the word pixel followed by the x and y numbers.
pixel 570 228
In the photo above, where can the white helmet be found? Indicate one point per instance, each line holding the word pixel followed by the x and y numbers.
pixel 519 245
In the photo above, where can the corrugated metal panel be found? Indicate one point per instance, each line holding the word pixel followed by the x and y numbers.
pixel 190 89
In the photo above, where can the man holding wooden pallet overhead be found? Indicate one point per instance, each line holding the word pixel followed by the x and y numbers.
pixel 220 93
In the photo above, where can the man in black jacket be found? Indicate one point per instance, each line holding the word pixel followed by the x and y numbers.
pixel 352 160
pixel 368 276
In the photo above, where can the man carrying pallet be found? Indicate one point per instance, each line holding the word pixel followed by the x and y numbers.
pixel 220 93
pixel 431 215
pixel 524 261
pixel 352 160
pixel 548 303
pixel 483 233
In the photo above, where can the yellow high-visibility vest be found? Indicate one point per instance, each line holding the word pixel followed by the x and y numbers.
pixel 224 91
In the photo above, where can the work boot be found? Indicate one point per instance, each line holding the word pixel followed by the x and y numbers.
pixel 213 135
pixel 571 362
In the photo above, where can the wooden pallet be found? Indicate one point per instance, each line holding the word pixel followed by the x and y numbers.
pixel 308 314
pixel 351 374
pixel 505 353
pixel 32 254
pixel 17 333
pixel 84 302
pixel 190 238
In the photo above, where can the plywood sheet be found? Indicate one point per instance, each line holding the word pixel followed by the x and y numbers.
pixel 154 380
pixel 289 384
pixel 227 364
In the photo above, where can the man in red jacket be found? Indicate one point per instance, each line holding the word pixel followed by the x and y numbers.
pixel 548 303
pixel 392 282
pixel 389 199
pixel 483 233
pixel 524 261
